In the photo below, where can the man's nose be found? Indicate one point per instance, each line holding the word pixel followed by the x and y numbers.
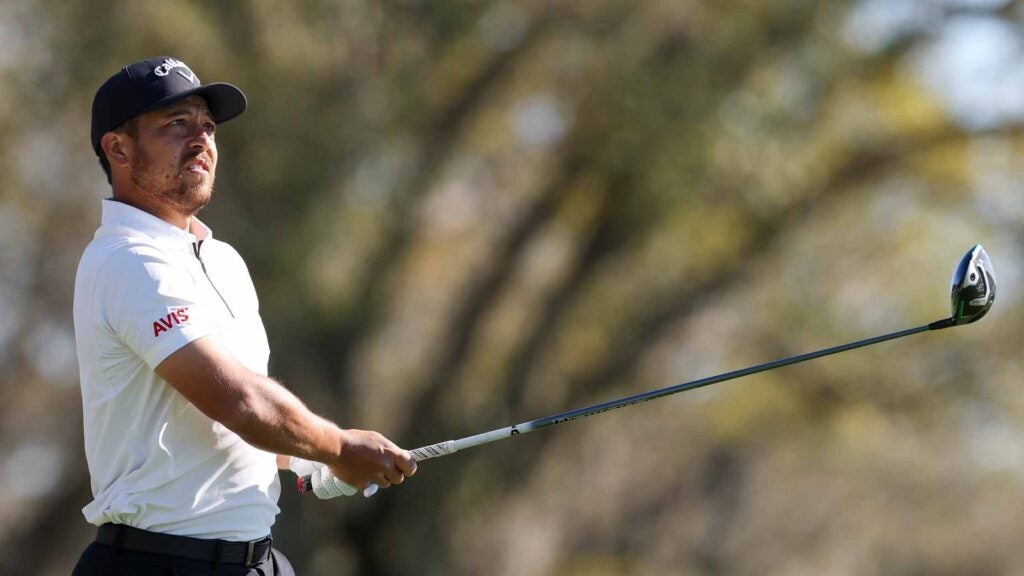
pixel 200 138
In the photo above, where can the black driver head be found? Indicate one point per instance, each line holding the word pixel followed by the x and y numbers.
pixel 974 287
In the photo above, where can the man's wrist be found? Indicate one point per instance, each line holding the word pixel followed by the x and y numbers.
pixel 342 443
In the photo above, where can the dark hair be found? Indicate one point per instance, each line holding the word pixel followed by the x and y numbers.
pixel 129 127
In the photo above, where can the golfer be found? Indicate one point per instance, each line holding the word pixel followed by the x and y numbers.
pixel 184 431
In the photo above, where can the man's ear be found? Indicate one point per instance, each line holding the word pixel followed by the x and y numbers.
pixel 116 146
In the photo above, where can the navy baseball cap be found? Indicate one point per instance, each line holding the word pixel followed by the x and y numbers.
pixel 154 83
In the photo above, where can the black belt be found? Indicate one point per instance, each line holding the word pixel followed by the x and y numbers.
pixel 137 540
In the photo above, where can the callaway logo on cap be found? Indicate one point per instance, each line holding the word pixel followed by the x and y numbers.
pixel 154 83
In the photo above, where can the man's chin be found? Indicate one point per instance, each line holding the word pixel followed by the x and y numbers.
pixel 192 199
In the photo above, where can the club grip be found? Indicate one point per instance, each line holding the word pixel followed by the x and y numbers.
pixel 317 478
pixel 433 451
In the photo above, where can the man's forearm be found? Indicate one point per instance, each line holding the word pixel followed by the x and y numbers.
pixel 270 417
pixel 266 415
pixel 274 419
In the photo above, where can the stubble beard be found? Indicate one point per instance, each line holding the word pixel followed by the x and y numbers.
pixel 169 190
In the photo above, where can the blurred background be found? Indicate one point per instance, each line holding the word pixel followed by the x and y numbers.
pixel 463 215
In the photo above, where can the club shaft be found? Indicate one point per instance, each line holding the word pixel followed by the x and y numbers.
pixel 451 446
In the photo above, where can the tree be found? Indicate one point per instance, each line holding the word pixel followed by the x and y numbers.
pixel 463 215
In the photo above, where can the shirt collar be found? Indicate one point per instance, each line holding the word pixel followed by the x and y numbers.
pixel 118 215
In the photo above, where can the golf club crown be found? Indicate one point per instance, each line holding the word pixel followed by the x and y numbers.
pixel 974 287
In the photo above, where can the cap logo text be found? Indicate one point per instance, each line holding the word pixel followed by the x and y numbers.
pixel 183 70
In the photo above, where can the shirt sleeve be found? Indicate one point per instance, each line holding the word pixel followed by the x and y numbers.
pixel 150 304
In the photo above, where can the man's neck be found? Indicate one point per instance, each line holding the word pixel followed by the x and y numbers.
pixel 183 221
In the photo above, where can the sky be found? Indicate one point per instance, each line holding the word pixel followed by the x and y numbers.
pixel 972 60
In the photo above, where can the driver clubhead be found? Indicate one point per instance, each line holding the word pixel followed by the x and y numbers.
pixel 974 287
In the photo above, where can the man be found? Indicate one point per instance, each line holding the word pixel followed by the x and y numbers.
pixel 184 432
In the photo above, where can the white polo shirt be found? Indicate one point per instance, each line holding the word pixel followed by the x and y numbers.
pixel 156 461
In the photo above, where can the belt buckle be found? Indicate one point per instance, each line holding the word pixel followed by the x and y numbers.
pixel 248 552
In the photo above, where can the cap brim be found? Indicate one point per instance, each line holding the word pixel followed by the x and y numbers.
pixel 224 100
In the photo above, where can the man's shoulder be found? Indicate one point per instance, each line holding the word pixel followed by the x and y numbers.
pixel 222 250
pixel 123 259
pixel 220 245
pixel 117 249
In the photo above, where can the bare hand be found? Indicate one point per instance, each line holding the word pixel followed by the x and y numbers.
pixel 369 458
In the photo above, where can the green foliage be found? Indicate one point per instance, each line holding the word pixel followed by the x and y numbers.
pixel 461 215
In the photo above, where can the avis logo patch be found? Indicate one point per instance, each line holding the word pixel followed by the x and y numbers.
pixel 176 316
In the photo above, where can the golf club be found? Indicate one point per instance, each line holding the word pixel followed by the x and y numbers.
pixel 972 294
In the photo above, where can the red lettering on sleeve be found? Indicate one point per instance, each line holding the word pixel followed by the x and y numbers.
pixel 175 317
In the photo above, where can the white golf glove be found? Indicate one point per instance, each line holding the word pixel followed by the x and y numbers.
pixel 323 483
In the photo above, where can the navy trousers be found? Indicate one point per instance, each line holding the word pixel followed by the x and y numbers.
pixel 104 560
